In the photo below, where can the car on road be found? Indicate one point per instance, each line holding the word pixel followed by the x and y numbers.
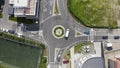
pixel 67 33
pixel 86 32
pixel 116 37
pixel 104 37
pixel 59 55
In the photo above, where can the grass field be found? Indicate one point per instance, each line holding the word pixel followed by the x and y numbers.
pixel 19 55
pixel 98 13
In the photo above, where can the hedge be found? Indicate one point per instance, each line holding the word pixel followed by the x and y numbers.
pixel 21 40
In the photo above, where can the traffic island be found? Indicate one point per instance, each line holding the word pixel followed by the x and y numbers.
pixel 78 34
pixel 58 31
pixel 56 10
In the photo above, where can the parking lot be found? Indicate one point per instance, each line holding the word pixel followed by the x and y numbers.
pixel 114 52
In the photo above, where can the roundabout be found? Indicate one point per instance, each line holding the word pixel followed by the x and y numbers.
pixel 58 31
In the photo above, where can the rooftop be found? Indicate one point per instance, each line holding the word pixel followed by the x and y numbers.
pixel 32 8
pixel 20 3
pixel 24 7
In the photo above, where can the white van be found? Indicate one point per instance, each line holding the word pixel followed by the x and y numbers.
pixel 109 46
pixel 67 33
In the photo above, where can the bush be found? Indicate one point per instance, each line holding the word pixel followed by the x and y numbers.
pixel 43 62
pixel 12 18
pixel 0 14
pixel 21 20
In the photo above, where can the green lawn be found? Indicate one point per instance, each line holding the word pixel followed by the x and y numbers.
pixel 67 55
pixel 1 66
pixel 98 13
pixel 43 62
pixel 0 14
pixel 19 55
pixel 55 31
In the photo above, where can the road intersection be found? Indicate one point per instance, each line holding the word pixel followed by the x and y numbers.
pixel 62 19
pixel 66 20
pixel 48 20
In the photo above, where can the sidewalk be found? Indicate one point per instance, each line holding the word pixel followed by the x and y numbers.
pixel 72 57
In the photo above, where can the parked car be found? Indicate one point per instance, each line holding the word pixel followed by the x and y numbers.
pixel 104 37
pixel 65 61
pixel 116 37
pixel 11 31
pixel 86 47
pixel 87 51
pixel 4 29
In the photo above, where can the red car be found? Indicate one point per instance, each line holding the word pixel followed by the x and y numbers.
pixel 65 61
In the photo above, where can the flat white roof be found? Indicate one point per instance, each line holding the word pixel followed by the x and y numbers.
pixel 109 44
pixel 11 1
pixel 20 3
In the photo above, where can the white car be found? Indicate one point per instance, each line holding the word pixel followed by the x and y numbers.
pixel 86 47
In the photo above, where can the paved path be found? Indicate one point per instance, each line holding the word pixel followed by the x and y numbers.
pixel 72 57
pixel 5 22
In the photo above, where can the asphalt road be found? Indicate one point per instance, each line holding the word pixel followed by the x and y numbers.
pixel 66 21
pixel 46 9
pixel 48 20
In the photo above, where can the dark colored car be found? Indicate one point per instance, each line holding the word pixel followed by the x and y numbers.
pixel 109 48
pixel 11 31
pixel 65 61
pixel 104 37
pixel 116 37
pixel 86 32
pixel 59 55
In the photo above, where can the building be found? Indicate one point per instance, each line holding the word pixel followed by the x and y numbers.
pixel 114 63
pixel 25 8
